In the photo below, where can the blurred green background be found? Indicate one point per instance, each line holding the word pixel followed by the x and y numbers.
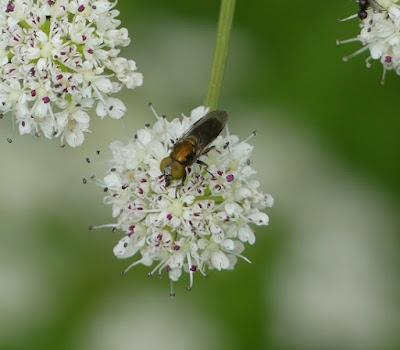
pixel 324 273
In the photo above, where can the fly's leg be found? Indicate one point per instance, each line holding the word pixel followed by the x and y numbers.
pixel 180 186
pixel 205 165
pixel 207 150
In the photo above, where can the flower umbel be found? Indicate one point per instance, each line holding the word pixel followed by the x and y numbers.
pixel 380 34
pixel 58 60
pixel 199 226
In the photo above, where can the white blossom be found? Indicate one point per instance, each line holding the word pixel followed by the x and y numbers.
pixel 59 59
pixel 379 35
pixel 202 225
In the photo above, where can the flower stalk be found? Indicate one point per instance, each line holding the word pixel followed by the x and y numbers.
pixel 226 16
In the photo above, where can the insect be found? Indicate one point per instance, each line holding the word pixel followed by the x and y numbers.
pixel 363 5
pixel 192 145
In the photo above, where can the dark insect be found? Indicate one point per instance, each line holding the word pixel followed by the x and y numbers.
pixel 363 5
pixel 193 145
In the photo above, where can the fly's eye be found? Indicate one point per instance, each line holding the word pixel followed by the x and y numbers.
pixel 165 163
pixel 178 171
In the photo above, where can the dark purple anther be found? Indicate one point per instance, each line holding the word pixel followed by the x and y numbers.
pixel 91 51
pixel 388 59
pixel 220 173
pixel 46 99
pixel 193 268
pixel 81 8
pixel 10 7
pixel 169 217
pixel 230 178
pixel 33 93
pixel 131 231
pixel 140 190
pixel 51 2
pixel 177 247
pixel 84 37
pixel 60 76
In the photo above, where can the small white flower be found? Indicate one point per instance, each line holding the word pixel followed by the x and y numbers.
pixel 380 34
pixel 197 227
pixel 58 60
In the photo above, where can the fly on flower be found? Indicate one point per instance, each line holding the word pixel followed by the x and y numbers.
pixel 205 225
pixel 193 145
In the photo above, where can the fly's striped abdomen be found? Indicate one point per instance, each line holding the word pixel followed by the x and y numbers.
pixel 184 152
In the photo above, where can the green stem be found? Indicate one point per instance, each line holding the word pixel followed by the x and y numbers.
pixel 221 53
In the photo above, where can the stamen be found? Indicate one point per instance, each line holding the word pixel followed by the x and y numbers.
pixel 151 274
pixel 255 192
pixel 228 136
pixel 368 62
pixel 162 267
pixel 383 75
pixel 348 18
pixel 131 266
pixel 253 134
pixel 97 182
pixel 150 211
pixel 171 289
pixel 347 41
pixel 358 52
pixel 103 226
pixel 238 255
pixel 153 110
pixel 190 271
pixel 200 267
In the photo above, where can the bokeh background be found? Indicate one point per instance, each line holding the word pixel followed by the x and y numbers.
pixel 325 273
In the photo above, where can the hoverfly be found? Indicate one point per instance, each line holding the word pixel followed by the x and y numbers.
pixel 192 145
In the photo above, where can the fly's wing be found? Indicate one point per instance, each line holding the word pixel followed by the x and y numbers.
pixel 207 129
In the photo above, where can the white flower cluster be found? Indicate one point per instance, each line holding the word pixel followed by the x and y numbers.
pixel 380 34
pixel 199 226
pixel 58 59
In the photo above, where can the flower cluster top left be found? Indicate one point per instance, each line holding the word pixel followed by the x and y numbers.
pixel 58 60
